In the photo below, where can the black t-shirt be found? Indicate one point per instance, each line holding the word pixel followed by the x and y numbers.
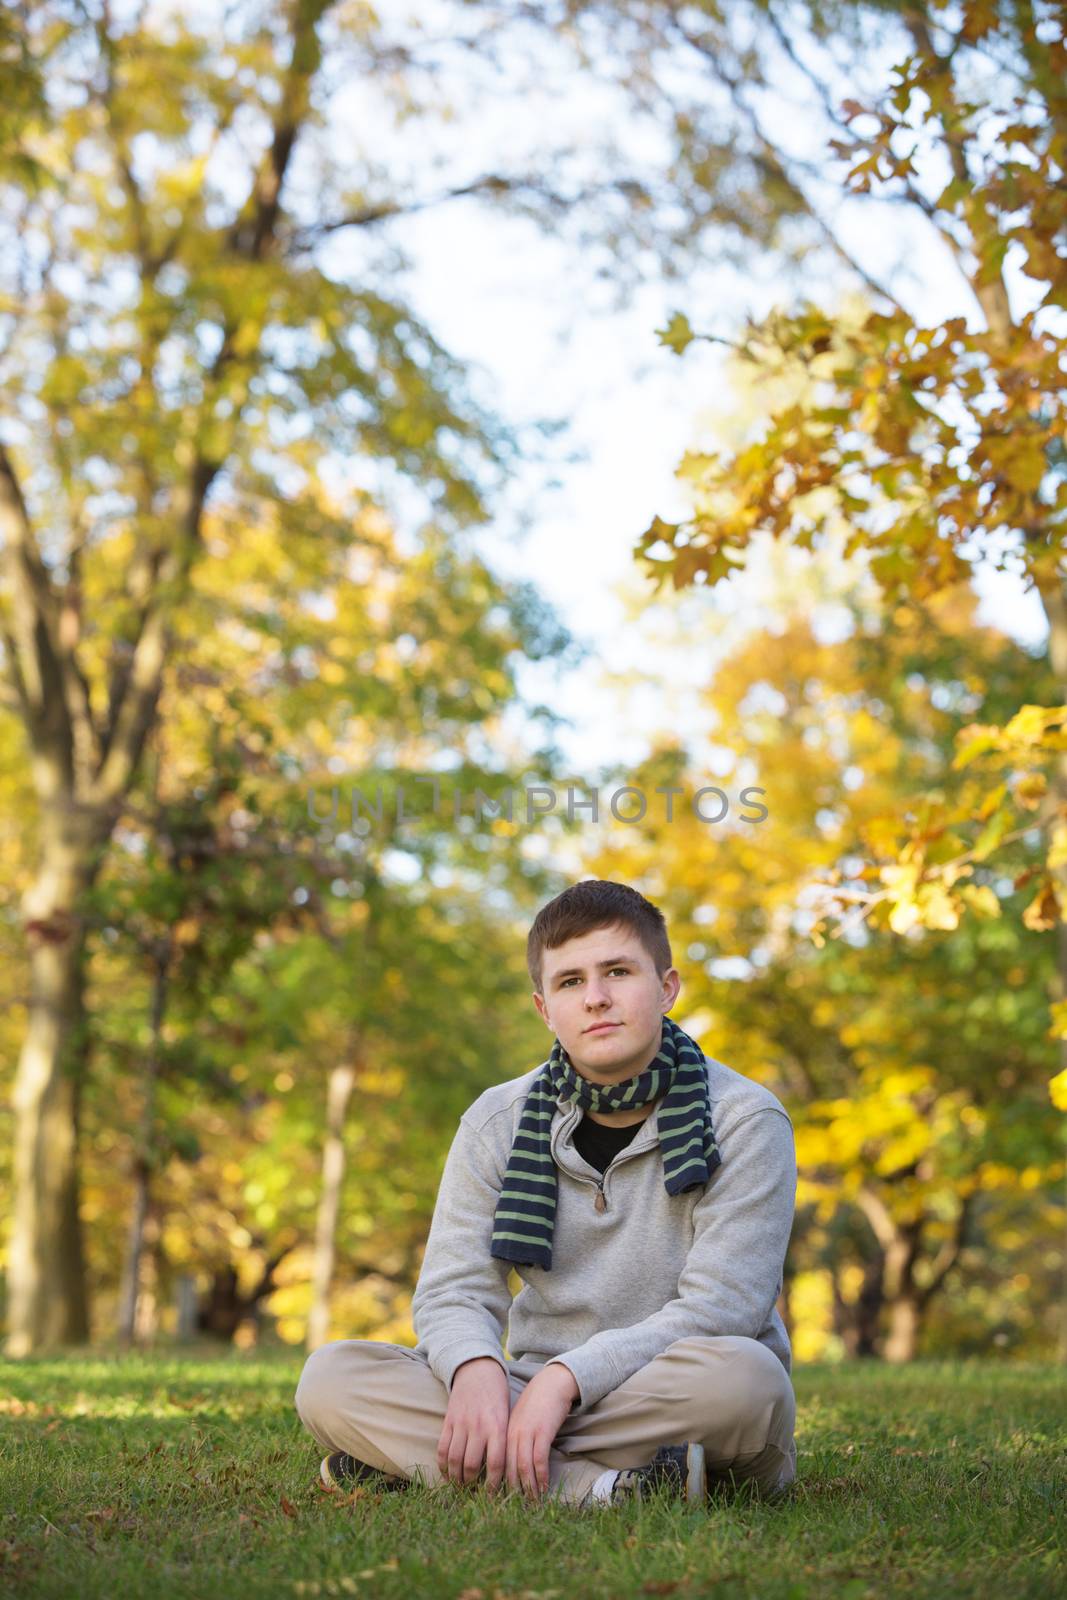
pixel 597 1144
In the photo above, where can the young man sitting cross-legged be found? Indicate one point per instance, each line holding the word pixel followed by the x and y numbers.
pixel 645 1194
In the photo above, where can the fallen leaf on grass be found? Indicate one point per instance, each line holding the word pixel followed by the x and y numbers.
pixel 833 1486
pixel 287 1506
pixel 148 1454
pixel 661 1586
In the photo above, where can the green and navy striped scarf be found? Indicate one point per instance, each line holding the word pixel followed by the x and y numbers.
pixel 525 1214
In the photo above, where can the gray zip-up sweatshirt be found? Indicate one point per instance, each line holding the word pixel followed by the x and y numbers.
pixel 627 1281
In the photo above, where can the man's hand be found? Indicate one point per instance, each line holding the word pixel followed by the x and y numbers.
pixel 535 1421
pixel 476 1423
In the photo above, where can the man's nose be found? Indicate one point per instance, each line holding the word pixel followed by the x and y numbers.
pixel 596 994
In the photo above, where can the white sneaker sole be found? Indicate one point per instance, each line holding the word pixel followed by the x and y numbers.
pixel 696 1474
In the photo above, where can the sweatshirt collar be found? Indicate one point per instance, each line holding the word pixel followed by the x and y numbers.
pixel 566 1119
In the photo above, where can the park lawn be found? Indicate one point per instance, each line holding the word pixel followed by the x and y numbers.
pixel 185 1476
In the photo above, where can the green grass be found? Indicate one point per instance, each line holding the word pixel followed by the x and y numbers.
pixel 190 1477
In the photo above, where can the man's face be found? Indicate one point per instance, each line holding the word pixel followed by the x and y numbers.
pixel 606 976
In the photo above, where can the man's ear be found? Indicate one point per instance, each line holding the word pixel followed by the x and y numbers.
pixel 672 983
pixel 542 1012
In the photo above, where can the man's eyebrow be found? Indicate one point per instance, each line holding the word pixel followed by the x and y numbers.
pixel 576 972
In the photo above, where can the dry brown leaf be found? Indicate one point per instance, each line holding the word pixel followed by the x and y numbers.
pixel 287 1505
pixel 358 1491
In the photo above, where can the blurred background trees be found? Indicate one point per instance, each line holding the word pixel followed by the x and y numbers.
pixel 257 964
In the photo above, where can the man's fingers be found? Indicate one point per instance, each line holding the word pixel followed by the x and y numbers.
pixel 473 1457
pixel 538 1467
pixel 541 1465
pixel 456 1451
pixel 495 1460
pixel 442 1448
pixel 526 1466
pixel 511 1457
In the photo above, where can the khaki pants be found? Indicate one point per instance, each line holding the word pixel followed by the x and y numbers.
pixel 381 1403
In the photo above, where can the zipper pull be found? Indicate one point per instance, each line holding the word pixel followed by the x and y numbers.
pixel 600 1203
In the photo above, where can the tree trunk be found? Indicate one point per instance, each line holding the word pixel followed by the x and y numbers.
pixel 46 1273
pixel 338 1094
pixel 144 1159
pixel 1054 600
pixel 856 1324
pixel 185 1307
pixel 869 1308
pixel 899 1244
pixel 131 1277
pixel 224 1308
pixel 146 1320
pixel 905 1323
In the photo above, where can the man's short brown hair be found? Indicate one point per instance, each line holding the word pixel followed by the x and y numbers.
pixel 596 903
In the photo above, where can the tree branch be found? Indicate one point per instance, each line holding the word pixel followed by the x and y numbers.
pixel 490 183
pixel 949 1252
pixel 158 578
pixel 878 1215
pixel 253 231
pixel 817 83
pixel 774 162
pixel 992 297
pixel 32 641
pixel 131 716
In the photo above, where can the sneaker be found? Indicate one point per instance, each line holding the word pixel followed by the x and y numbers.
pixel 339 1471
pixel 678 1468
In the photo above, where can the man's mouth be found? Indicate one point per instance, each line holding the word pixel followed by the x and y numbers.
pixel 602 1027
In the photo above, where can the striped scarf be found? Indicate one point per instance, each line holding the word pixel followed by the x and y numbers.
pixel 525 1214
